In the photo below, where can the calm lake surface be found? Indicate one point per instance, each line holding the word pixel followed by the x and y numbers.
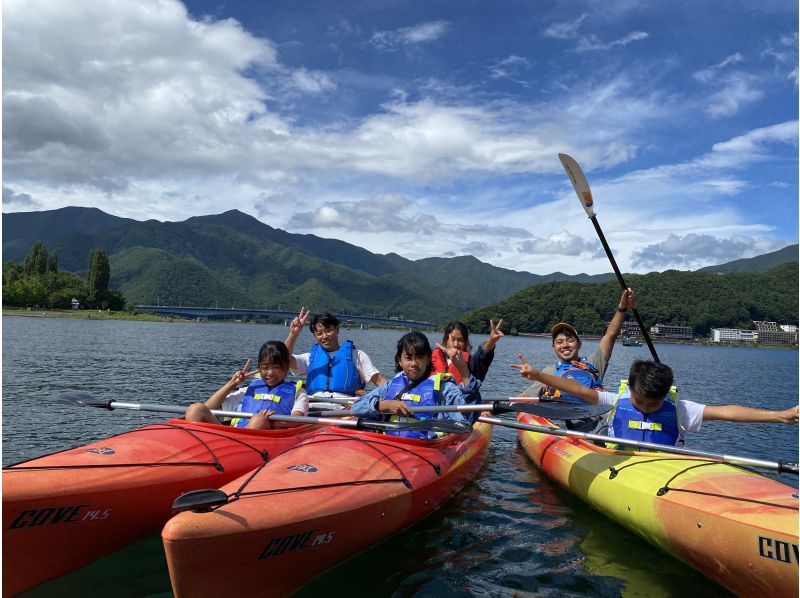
pixel 510 531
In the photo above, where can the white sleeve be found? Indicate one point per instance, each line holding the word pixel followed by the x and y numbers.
pixel 233 400
pixel 606 398
pixel 301 402
pixel 690 415
pixel 302 364
pixel 364 365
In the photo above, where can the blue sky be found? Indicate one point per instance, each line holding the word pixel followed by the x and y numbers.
pixel 420 128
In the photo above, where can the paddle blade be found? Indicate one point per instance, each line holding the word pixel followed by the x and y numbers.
pixel 556 410
pixel 81 399
pixel 199 501
pixel 579 183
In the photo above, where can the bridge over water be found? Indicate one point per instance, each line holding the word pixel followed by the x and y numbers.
pixel 239 313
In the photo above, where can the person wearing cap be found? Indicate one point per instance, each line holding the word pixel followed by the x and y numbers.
pixel 589 371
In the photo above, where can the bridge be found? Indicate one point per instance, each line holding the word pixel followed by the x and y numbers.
pixel 239 313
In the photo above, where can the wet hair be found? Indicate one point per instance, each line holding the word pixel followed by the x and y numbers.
pixel 413 343
pixel 327 319
pixel 650 379
pixel 274 352
pixel 461 327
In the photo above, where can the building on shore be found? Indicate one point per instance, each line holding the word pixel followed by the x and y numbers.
pixel 732 335
pixel 665 331
pixel 769 333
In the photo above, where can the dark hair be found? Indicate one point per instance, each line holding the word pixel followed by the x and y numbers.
pixel 274 352
pixel 413 343
pixel 461 327
pixel 650 379
pixel 327 320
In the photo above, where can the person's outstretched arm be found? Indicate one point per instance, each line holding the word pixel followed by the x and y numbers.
pixel 566 385
pixel 740 413
pixel 295 328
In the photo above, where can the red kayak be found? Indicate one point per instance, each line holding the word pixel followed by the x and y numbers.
pixel 64 510
pixel 324 500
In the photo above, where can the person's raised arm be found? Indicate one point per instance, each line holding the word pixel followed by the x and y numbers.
pixel 739 413
pixel 612 332
pixel 295 328
pixel 215 400
pixel 495 334
pixel 566 385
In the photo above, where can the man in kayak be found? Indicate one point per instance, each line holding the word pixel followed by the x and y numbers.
pixel 332 369
pixel 644 411
pixel 266 395
pixel 415 385
pixel 589 371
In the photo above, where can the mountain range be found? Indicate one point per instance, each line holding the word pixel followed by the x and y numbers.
pixel 233 259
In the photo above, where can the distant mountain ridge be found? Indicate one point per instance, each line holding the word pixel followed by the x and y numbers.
pixel 235 259
pixel 759 263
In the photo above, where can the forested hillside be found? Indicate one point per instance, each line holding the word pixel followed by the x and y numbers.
pixel 697 299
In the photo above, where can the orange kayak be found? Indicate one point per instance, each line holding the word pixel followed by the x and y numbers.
pixel 731 524
pixel 322 501
pixel 64 510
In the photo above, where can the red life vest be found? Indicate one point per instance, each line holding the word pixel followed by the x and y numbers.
pixel 440 365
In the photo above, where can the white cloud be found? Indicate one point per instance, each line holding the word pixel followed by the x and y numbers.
pixel 707 74
pixel 694 251
pixel 19 201
pixel 409 36
pixel 508 67
pixel 561 243
pixel 569 30
pixel 312 81
pixel 565 29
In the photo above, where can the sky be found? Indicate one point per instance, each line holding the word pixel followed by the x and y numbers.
pixel 419 128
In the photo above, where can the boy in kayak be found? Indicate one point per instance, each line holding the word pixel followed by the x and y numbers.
pixel 645 412
pixel 332 369
pixel 266 395
pixel 415 385
pixel 589 371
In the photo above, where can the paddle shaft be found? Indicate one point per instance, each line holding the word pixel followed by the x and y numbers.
pixel 300 419
pixel 776 465
pixel 624 286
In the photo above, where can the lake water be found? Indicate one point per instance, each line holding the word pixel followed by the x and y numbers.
pixel 509 531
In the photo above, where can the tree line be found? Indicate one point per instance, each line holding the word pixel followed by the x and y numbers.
pixel 37 282
pixel 700 300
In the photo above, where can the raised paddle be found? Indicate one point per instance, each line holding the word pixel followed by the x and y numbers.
pixel 781 466
pixel 581 186
pixel 559 410
pixel 445 426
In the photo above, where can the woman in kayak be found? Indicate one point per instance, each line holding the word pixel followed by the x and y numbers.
pixel 416 385
pixel 266 395
pixel 644 411
pixel 456 341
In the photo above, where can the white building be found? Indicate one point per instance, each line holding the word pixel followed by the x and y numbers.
pixel 732 335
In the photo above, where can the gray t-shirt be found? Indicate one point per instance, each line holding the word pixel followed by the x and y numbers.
pixel 596 359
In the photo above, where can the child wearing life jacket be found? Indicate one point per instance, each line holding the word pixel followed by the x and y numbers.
pixel 455 343
pixel 415 385
pixel 645 412
pixel 266 395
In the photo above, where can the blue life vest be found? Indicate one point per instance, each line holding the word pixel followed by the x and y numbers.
pixel 333 373
pixel 661 426
pixel 426 393
pixel 582 372
pixel 259 397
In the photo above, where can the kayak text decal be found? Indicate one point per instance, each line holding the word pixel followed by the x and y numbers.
pixel 303 467
pixel 70 515
pixel 102 450
pixel 300 541
pixel 777 550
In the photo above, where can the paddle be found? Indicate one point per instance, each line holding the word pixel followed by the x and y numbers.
pixel 559 410
pixel 781 466
pixel 581 186
pixel 445 426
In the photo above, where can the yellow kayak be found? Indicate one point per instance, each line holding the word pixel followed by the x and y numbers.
pixel 733 525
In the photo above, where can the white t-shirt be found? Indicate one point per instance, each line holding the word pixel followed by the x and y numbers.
pixel 234 399
pixel 690 414
pixel 363 364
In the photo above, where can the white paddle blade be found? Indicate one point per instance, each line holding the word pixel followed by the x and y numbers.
pixel 579 183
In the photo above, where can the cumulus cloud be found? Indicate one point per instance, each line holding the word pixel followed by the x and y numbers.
pixel 561 243
pixel 694 251
pixel 409 36
pixel 19 201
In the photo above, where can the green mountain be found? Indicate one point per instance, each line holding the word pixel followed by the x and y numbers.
pixel 702 300
pixel 759 263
